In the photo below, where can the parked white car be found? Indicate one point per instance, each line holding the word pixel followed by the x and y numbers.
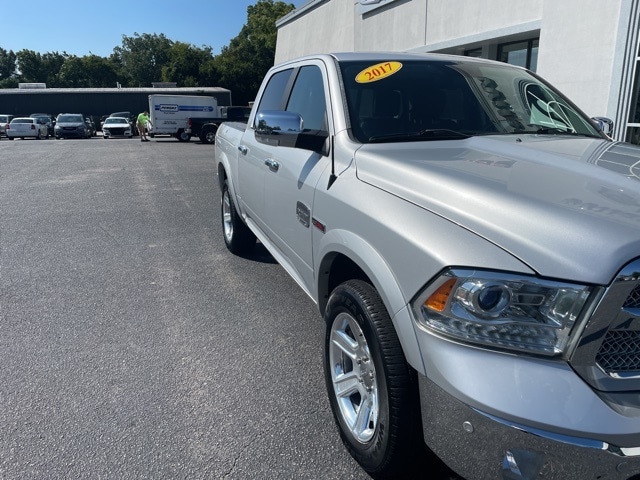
pixel 116 127
pixel 23 127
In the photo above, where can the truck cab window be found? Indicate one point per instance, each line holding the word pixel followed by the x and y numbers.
pixel 308 99
pixel 272 97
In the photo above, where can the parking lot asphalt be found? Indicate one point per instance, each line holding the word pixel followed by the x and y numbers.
pixel 134 345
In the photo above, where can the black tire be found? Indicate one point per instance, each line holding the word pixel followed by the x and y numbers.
pixel 10 138
pixel 208 134
pixel 238 238
pixel 182 136
pixel 358 325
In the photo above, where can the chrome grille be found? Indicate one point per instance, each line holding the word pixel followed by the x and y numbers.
pixel 633 301
pixel 607 355
pixel 620 351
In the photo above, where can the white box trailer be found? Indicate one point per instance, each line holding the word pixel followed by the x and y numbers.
pixel 169 113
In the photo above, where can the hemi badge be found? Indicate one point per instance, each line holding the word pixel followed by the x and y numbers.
pixel 319 225
pixel 303 213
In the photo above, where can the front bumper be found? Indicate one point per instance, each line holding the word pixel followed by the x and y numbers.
pixel 481 446
pixel 71 133
pixel 116 132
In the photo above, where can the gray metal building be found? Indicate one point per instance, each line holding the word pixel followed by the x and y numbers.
pixel 94 102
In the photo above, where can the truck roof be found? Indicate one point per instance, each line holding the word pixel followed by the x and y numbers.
pixel 381 56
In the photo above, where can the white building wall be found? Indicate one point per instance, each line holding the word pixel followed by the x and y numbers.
pixel 577 50
pixel 454 20
pixel 397 27
pixel 325 26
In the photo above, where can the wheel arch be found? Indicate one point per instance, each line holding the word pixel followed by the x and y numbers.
pixel 210 126
pixel 346 256
pixel 224 175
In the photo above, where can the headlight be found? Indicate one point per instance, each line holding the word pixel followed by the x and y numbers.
pixel 502 310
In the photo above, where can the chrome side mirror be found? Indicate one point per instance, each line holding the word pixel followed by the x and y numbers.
pixel 277 122
pixel 286 129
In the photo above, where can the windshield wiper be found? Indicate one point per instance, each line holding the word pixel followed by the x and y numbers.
pixel 559 131
pixel 553 131
pixel 427 134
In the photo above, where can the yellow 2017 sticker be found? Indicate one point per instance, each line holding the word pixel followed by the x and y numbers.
pixel 378 72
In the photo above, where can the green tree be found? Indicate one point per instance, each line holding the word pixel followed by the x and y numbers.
pixel 72 74
pixel 242 64
pixel 40 68
pixel 100 71
pixel 7 64
pixel 142 58
pixel 184 64
pixel 208 73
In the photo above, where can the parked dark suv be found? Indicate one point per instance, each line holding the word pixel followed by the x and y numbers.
pixel 71 125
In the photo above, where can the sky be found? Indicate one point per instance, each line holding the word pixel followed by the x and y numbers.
pixel 84 28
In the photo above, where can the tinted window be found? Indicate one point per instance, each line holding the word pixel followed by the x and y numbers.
pixel 272 97
pixel 470 98
pixel 307 98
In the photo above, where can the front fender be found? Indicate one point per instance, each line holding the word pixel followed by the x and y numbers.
pixel 368 259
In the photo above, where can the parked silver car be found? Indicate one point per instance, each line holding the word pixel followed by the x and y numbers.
pixel 4 121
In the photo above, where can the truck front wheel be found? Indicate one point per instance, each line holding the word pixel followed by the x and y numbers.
pixel 372 390
pixel 237 236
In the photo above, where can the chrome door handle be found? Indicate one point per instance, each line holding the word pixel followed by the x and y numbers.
pixel 272 164
pixel 243 149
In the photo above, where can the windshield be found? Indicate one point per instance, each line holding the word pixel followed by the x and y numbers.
pixel 70 119
pixel 115 120
pixel 438 100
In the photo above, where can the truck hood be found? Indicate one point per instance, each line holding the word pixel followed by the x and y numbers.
pixel 568 207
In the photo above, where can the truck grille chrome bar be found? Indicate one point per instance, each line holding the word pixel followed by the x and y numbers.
pixel 608 352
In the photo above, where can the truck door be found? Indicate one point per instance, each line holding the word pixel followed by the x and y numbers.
pixel 289 187
pixel 251 164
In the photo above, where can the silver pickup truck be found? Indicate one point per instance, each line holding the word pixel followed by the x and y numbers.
pixel 472 241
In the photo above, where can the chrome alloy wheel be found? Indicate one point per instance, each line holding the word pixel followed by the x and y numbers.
pixel 353 376
pixel 227 220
